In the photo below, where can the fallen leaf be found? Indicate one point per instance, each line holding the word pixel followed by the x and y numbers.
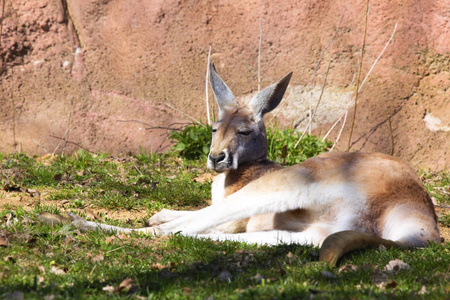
pixel 110 239
pixel 347 268
pixel 57 271
pixel 97 217
pixel 423 290
pixel 157 266
pixel 98 258
pixel 122 236
pixel 68 240
pixel 396 265
pixel 27 220
pixel 10 220
pixel 127 285
pixel 4 242
pixel 109 289
pixel 33 193
pixel 10 259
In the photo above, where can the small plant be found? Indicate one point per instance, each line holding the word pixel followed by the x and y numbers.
pixel 193 141
pixel 281 144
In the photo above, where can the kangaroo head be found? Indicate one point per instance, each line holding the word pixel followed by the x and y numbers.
pixel 239 136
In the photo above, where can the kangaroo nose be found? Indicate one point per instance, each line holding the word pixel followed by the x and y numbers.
pixel 216 159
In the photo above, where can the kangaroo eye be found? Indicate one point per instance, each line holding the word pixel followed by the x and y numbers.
pixel 244 132
pixel 214 130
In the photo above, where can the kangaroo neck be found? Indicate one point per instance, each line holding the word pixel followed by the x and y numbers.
pixel 246 173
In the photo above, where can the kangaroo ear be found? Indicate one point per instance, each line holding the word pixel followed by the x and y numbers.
pixel 269 98
pixel 224 97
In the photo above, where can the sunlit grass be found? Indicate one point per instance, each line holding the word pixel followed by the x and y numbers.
pixel 40 261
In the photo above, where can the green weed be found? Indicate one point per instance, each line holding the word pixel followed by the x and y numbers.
pixel 193 141
pixel 282 148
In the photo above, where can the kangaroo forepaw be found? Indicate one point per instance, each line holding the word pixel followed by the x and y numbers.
pixel 164 216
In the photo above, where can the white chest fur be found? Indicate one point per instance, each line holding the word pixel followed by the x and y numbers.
pixel 218 188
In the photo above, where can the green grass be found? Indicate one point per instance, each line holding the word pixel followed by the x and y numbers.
pixel 61 262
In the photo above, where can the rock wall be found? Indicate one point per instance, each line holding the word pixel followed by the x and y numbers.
pixel 73 70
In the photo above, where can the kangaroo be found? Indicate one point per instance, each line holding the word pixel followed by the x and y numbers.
pixel 340 201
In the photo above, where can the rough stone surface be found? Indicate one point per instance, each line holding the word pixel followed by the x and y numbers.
pixel 72 69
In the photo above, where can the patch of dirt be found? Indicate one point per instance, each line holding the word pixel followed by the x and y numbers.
pixel 12 200
pixel 72 70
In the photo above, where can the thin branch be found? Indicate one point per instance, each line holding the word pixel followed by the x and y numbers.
pixel 332 127
pixel 37 143
pixel 259 55
pixel 362 84
pixel 63 139
pixel 379 56
pixel 14 120
pixel 391 134
pixel 317 66
pixel 314 74
pixel 184 114
pixel 134 121
pixel 1 22
pixel 359 75
pixel 317 105
pixel 340 132
pixel 73 143
pixel 442 206
pixel 206 84
pixel 346 111
pixel 67 133
pixel 165 128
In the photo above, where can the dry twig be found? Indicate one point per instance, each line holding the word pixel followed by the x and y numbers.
pixel 259 55
pixel 391 134
pixel 1 22
pixel 207 96
pixel 37 143
pixel 63 139
pixel 184 114
pixel 72 143
pixel 359 90
pixel 314 74
pixel 134 121
pixel 359 74
pixel 317 106
pixel 318 64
